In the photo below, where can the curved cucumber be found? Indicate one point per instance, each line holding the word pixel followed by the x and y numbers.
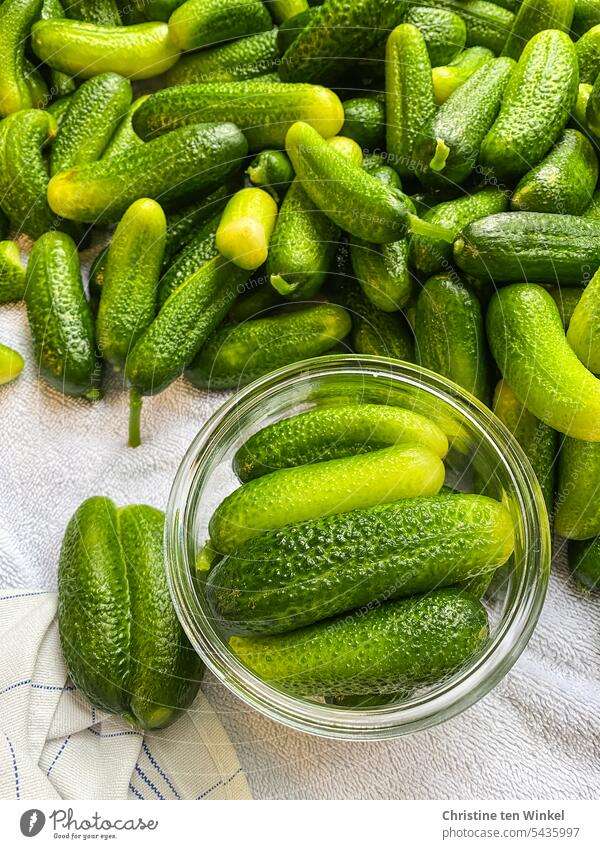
pixel 533 17
pixel 11 364
pixel 583 334
pixel 313 570
pixel 203 23
pixel 578 496
pixel 444 31
pixel 242 59
pixel 60 318
pixel 527 339
pixel 85 49
pixel 201 248
pixel 584 560
pixel 245 228
pixel 331 433
pixel 397 645
pixel 566 301
pixel 16 18
pixel 383 274
pixel 324 489
pixel 12 274
pixel 187 161
pixel 235 356
pixel 447 78
pixel 124 136
pixel 588 55
pixel 271 170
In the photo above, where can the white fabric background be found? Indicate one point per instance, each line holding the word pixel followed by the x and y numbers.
pixel 536 736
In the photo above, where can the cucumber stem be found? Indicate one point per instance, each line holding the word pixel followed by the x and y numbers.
pixel 438 161
pixel 135 415
pixel 419 227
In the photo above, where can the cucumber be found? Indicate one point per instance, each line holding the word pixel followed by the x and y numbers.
pixel 185 223
pixel 584 561
pixel 183 163
pixel 283 10
pixel 36 84
pixel 538 100
pixel 16 18
pixel 245 228
pixel 96 279
pixel 11 364
pixel 128 300
pixel 123 644
pixel 58 109
pixel 264 111
pixel 383 274
pixel 430 256
pixel 83 49
pixel 583 334
pixel 450 335
pixel 538 440
pixel 290 29
pixel 588 55
pixel 12 275
pixel 324 489
pixel 242 59
pixel 204 23
pixel 236 355
pixel 271 170
pixel 364 121
pixel 592 110
pixel 488 24
pixel 585 15
pixel 579 114
pixel 448 151
pixel 444 31
pixel 533 17
pixel 527 339
pixel 522 246
pixel 578 496
pixel 447 78
pixel 104 12
pixel 409 99
pixel 61 84
pixel 384 173
pixel 94 111
pixel 564 181
pixel 255 299
pixel 397 645
pixel 201 248
pixel 566 300
pixel 125 136
pixel 60 318
pixel 330 433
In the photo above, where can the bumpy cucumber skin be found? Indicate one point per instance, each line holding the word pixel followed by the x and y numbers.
pixel 61 85
pixel 364 121
pixel 397 645
pixel 383 274
pixel 291 28
pixel 245 228
pixel 409 98
pixel 283 10
pixel 124 136
pixel 517 247
pixel 538 100
pixel 566 301
pixel 462 123
pixel 23 172
pixel 201 248
pixel 183 325
pixel 12 274
pixel 564 181
pixel 240 60
pixel 203 23
pixel 433 255
pixel 538 440
pixel 535 16
pixel 584 560
pixel 256 300
pixel 271 170
pixel 331 433
pixel 450 334
pixel 578 497
pixel 91 119
pixel 58 109
pixel 592 110
pixel 588 55
pixel 105 12
pixel 16 18
pixel 527 339
pixel 324 489
pixel 375 332
pixel 447 78
pixel 60 318
pixel 311 571
pixel 128 300
pixel 488 24
pixel 444 31
pixel 85 50
pixel 185 222
pixel 188 161
pixel 584 327
pixel 96 279
pixel 235 356
pixel 264 111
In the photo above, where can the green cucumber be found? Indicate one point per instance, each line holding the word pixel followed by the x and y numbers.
pixel 329 433
pixel 538 100
pixel 124 136
pixel 515 247
pixel 201 248
pixel 264 111
pixel 538 440
pixel 58 109
pixel 397 645
pixel 84 49
pixel 578 497
pixel 450 335
pixel 449 149
pixel 564 181
pixel 186 222
pixel 203 23
pixel 290 29
pixel 444 31
pixel 105 12
pixel 256 298
pixel 583 334
pixel 128 301
pixel 364 121
pixel 584 561
pixel 16 19
pixel 409 98
pixel 185 162
pixel 430 256
pixel 61 84
pixel 242 59
pixel 447 78
pixel 324 489
pixel 588 55
pixel 566 301
pixel 283 10
pixel 236 355
pixel 60 318
pixel 527 339
pixel 579 113
pixel 592 110
pixel 271 170
pixel 12 274
pixel 11 364
pixel 488 24
pixel 385 174
pixel 36 84
pixel 383 274
pixel 96 279
pixel 245 228
pixel 533 17
pixel 94 111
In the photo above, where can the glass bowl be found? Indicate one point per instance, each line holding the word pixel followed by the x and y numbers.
pixel 483 454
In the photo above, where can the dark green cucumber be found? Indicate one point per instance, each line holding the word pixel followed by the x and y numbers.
pixel 94 112
pixel 564 181
pixel 578 497
pixel 60 84
pixel 12 274
pixel 592 110
pixel 105 12
pixel 566 301
pixel 236 355
pixel 124 136
pixel 450 334
pixel 96 279
pixel 291 28
pixel 538 100
pixel 201 248
pixel 447 78
pixel 203 23
pixel 16 18
pixel 584 328
pixel 538 440
pixel 397 645
pixel 584 561
pixel 256 299
pixel 384 173
pixel 11 364
pixel 242 59
pixel 60 318
pixel 383 274
pixel 527 338
pixel 364 121
pixel 432 255
pixel 444 31
pixel 515 247
pixel 449 149
pixel 588 55
pixel 488 24
pixel 36 84
pixel 533 17
pixel 185 162
pixel 271 170
pixel 185 222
